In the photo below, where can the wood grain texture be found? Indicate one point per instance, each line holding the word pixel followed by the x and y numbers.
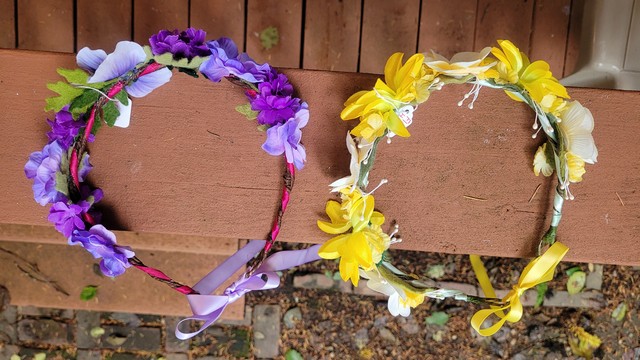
pixel 447 26
pixel 166 173
pixel 284 15
pixel 151 16
pixel 7 24
pixel 72 268
pixel 101 24
pixel 46 25
pixel 332 35
pixel 219 18
pixel 504 20
pixel 573 38
pixel 549 33
pixel 387 27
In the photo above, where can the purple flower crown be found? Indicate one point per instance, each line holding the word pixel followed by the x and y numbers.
pixel 99 93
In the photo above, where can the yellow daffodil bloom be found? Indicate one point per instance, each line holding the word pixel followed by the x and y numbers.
pixel 576 167
pixel 541 162
pixel 461 64
pixel 403 85
pixel 514 67
pixel 412 299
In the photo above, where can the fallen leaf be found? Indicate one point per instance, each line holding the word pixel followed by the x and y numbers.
pixel 576 282
pixel 89 292
pixel 619 312
pixel 438 318
pixel 435 271
pixel 293 355
pixel 96 332
pixel 116 339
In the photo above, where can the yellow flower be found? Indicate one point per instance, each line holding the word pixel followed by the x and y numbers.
pixel 514 68
pixel 576 167
pixel 412 299
pixel 461 64
pixel 541 162
pixel 403 85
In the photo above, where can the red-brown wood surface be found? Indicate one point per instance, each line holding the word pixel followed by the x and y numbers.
pixel 447 26
pixel 504 20
pixel 168 173
pixel 151 16
pixel 45 25
pixel 284 15
pixel 549 34
pixel 92 29
pixel 332 35
pixel 387 27
pixel 219 18
pixel 7 24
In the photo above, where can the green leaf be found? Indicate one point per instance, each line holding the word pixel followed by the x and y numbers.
pixel 82 103
pixel 123 97
pixel 541 290
pixel 573 270
pixel 66 94
pixel 191 72
pixel 263 128
pixel 167 59
pixel 15 357
pixel 245 110
pixel 40 356
pixel 336 276
pixel 61 183
pixel 438 318
pixel 74 76
pixel 293 354
pixel 435 271
pixel 269 37
pixel 110 113
pixel 328 274
pixel 576 282
pixel 619 312
pixel 89 292
pixel 96 332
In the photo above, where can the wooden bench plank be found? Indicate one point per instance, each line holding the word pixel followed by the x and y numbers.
pixel 46 25
pixel 151 16
pixel 7 24
pixel 284 15
pixel 170 184
pixel 332 35
pixel 447 26
pixel 549 33
pixel 134 291
pixel 114 23
pixel 387 27
pixel 504 19
pixel 219 18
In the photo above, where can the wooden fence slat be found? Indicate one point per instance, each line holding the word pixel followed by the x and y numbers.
pixel 7 24
pixel 387 27
pixel 284 15
pixel 151 16
pixel 45 25
pixel 220 18
pixel 504 20
pixel 101 24
pixel 167 173
pixel 447 26
pixel 332 35
pixel 549 33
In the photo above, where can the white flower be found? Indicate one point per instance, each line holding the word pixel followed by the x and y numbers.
pixel 576 126
pixel 358 154
pixel 541 163
pixel 377 283
pixel 461 64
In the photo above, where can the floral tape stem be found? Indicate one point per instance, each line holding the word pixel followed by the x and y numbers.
pixel 550 236
pixel 363 179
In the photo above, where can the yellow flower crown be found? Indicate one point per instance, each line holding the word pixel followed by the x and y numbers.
pixel 387 110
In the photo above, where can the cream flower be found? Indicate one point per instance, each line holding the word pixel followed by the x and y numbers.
pixel 395 304
pixel 576 126
pixel 541 162
pixel 461 64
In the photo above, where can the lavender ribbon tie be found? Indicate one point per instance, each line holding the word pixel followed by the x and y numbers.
pixel 209 308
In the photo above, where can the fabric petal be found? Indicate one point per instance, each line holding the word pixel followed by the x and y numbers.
pixel 89 59
pixel 126 56
pixel 125 114
pixel 146 84
pixel 274 144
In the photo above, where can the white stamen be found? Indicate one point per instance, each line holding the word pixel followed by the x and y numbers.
pixel 94 89
pixel 535 135
pixel 475 91
pixel 382 182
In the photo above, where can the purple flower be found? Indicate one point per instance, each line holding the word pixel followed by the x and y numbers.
pixel 285 138
pixel 123 59
pixel 67 218
pixel 42 168
pixel 187 44
pixel 274 101
pixel 84 167
pixel 101 243
pixel 225 61
pixel 64 128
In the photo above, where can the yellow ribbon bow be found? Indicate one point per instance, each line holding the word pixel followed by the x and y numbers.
pixel 538 271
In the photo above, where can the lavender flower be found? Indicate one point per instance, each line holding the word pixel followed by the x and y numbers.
pixel 101 243
pixel 285 138
pixel 274 101
pixel 225 61
pixel 42 167
pixel 187 44
pixel 64 128
pixel 67 218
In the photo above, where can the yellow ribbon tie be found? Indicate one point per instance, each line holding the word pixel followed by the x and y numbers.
pixel 538 271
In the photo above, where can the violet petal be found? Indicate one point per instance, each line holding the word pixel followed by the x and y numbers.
pixel 125 57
